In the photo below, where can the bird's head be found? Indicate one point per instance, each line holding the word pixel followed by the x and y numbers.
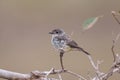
pixel 57 32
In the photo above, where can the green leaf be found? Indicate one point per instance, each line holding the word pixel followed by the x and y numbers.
pixel 90 22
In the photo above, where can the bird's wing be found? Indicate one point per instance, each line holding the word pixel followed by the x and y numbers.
pixel 68 41
pixel 72 44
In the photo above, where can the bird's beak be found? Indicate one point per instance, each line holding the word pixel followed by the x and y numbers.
pixel 50 32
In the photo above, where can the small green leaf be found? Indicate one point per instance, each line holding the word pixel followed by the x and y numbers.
pixel 90 22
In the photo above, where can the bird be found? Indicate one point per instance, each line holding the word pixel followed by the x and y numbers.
pixel 63 43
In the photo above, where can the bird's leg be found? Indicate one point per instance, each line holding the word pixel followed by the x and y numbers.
pixel 61 61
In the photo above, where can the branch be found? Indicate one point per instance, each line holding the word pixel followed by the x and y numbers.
pixel 77 75
pixel 115 66
pixel 114 15
pixel 116 63
pixel 113 69
pixel 96 67
pixel 13 75
pixel 35 75
pixel 113 45
pixel 104 76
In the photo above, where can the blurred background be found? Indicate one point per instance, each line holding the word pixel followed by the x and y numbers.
pixel 25 44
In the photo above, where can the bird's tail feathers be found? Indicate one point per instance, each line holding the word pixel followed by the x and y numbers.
pixel 81 49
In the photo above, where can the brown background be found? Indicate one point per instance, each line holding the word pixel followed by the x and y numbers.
pixel 25 43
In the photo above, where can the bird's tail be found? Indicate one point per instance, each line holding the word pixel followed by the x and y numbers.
pixel 81 49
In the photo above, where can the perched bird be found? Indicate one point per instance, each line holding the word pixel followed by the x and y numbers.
pixel 63 43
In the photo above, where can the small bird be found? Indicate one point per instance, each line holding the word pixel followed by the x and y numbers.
pixel 63 43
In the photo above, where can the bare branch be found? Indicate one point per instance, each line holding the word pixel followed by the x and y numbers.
pixel 112 49
pixel 77 75
pixel 35 75
pixel 95 66
pixel 60 78
pixel 113 14
pixel 12 75
pixel 113 69
pixel 113 45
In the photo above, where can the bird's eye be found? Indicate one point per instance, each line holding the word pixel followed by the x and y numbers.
pixel 57 32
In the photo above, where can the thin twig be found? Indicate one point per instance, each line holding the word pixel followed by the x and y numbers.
pixel 115 68
pixel 77 75
pixel 112 49
pixel 113 14
pixel 113 45
pixel 92 62
pixel 60 78
pixel 49 72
